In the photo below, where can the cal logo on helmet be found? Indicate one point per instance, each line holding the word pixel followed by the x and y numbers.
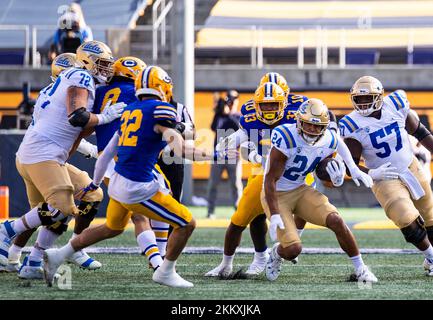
pixel 129 63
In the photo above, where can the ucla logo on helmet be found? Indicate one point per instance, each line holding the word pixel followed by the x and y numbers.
pixel 63 62
pixel 129 63
pixel 94 48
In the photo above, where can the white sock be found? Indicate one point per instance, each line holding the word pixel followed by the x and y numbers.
pixel 228 260
pixel 168 266
pixel 428 253
pixel 15 253
pixel 32 220
pixel 260 256
pixel 357 261
pixel 66 251
pixel 45 240
pixel 161 234
pixel 147 243
pixel 300 232
pixel 275 251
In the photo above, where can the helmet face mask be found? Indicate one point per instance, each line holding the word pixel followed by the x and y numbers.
pixel 367 95
pixel 312 120
pixel 96 57
pixel 269 102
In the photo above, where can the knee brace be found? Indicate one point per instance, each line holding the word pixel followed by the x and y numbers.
pixel 59 227
pixel 415 232
pixel 88 210
pixel 48 216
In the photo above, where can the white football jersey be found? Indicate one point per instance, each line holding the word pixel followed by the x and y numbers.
pixel 51 136
pixel 383 140
pixel 302 158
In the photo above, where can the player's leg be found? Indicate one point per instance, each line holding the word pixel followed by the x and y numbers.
pixel 13 253
pixel 161 230
pixel 117 219
pixel 289 245
pixel 88 209
pixel 249 208
pixel 146 240
pixel 52 181
pixel 163 207
pixel 214 180
pixel 234 172
pixel 320 212
pixel 396 200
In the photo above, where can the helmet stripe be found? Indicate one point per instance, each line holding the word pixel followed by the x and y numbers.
pixel 145 80
pixel 273 77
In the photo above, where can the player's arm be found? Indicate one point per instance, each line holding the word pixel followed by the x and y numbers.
pixel 332 121
pixel 354 170
pixel 276 165
pixel 415 128
pixel 101 166
pixel 233 141
pixel 78 116
pixel 182 149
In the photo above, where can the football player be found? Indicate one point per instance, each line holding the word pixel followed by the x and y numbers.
pixel 146 127
pixel 297 150
pixel 152 242
pixel 270 110
pixel 63 113
pixel 378 131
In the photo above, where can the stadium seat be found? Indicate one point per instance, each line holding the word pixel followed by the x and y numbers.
pixel 12 58
pixel 421 56
pixel 362 56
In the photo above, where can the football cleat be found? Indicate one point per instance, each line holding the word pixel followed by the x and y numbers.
pixel 222 270
pixel 295 261
pixel 84 261
pixel 10 267
pixel 31 269
pixel 4 253
pixel 52 262
pixel 257 266
pixel 273 265
pixel 7 233
pixel 428 267
pixel 365 275
pixel 171 279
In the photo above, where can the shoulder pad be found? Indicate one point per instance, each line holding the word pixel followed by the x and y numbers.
pixel 334 139
pixel 248 107
pixel 282 133
pixel 348 124
pixel 399 100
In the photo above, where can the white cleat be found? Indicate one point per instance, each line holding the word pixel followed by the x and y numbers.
pixel 428 267
pixel 222 270
pixel 365 275
pixel 295 261
pixel 31 270
pixel 171 279
pixel 52 262
pixel 257 266
pixel 11 267
pixel 84 261
pixel 273 265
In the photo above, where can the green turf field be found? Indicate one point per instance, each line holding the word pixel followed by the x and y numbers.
pixel 316 276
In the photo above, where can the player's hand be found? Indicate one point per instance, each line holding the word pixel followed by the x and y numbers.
pixel 82 193
pixel 111 112
pixel 228 154
pixel 337 171
pixel 358 175
pixel 384 172
pixel 276 222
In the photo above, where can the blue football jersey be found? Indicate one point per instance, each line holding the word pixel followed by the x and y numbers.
pixel 259 132
pixel 139 145
pixel 117 91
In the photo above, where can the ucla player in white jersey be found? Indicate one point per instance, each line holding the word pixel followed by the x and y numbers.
pixel 61 118
pixel 378 130
pixel 297 150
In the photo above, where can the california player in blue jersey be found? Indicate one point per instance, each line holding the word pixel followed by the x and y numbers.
pixel 121 88
pixel 146 127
